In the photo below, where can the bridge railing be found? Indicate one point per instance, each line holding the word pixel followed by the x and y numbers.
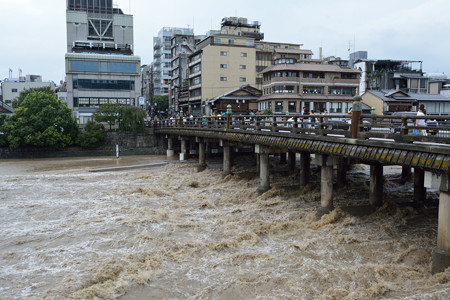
pixel 396 128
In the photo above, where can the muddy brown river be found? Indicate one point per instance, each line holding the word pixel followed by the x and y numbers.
pixel 169 232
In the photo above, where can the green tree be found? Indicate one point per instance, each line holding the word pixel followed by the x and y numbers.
pixel 160 104
pixel 18 100
pixel 3 136
pixel 41 120
pixel 91 136
pixel 132 119
pixel 108 113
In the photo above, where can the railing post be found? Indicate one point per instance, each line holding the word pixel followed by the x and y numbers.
pixel 229 112
pixel 274 124
pixel 405 129
pixel 295 125
pixel 356 116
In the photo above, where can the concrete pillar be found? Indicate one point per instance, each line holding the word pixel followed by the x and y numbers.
pixel 376 185
pixel 258 163
pixel 326 187
pixel 170 152
pixel 291 161
pixel 305 167
pixel 264 182
pixel 282 158
pixel 183 155
pixel 342 173
pixel 441 255
pixel 201 156
pixel 226 160
pixel 420 191
pixel 406 172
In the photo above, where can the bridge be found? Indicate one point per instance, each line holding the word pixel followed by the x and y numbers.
pixel 336 141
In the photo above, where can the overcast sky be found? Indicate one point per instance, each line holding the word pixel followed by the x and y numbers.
pixel 33 32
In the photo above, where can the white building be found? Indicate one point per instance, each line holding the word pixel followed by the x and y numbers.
pixel 100 65
pixel 11 87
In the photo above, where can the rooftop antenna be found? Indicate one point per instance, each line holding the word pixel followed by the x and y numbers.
pixel 10 73
pixel 20 73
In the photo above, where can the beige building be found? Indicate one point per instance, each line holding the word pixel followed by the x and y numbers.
pixel 228 59
pixel 295 80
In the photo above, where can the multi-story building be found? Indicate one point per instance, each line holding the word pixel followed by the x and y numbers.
pixel 388 74
pixel 295 80
pixel 228 59
pixel 100 65
pixel 162 57
pixel 182 45
pixel 11 87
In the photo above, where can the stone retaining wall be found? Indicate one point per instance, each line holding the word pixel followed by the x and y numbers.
pixel 129 144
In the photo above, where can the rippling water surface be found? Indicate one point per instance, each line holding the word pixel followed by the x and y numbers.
pixel 172 233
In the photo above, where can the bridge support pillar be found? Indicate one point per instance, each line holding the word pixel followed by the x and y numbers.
pixel 226 160
pixel 420 191
pixel 291 160
pixel 264 173
pixel 282 158
pixel 258 164
pixel 342 168
pixel 326 163
pixel 170 151
pixel 406 172
pixel 376 185
pixel 441 255
pixel 305 167
pixel 201 156
pixel 183 153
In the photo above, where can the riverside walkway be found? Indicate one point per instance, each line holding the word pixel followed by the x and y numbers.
pixel 336 141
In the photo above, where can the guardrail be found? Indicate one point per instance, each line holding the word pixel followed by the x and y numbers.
pixel 394 128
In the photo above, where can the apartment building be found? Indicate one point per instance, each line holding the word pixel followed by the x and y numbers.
pixel 226 60
pixel 100 65
pixel 182 46
pixel 162 58
pixel 295 80
pixel 388 74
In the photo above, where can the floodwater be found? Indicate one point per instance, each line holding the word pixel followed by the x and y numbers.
pixel 171 233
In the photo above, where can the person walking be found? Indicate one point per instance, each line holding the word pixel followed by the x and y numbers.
pixel 421 122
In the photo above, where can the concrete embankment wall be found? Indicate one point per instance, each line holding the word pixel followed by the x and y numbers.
pixel 129 144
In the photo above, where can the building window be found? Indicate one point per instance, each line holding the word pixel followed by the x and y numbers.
pixel 223 53
pixel 13 90
pixel 335 107
pixel 242 79
pixel 348 76
pixel 103 66
pixel 243 54
pixel 292 106
pixel 272 47
pixel 283 89
pixel 313 75
pixel 196 69
pixel 279 106
pixel 223 66
pixel 334 91
pixel 349 91
pixel 250 43
pixel 223 79
pixel 313 90
pixel 217 41
pixel 95 84
pixel 242 67
pixel 83 66
pixel 230 42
